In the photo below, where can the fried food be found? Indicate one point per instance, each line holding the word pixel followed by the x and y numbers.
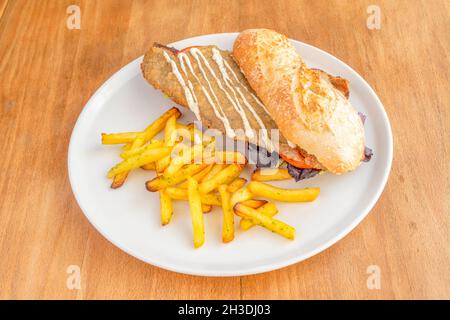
pixel 162 181
pixel 280 194
pixel 267 222
pixel 224 176
pixel 139 160
pixel 269 209
pixel 228 216
pixel 195 206
pixel 166 208
pixel 182 194
pixel 271 174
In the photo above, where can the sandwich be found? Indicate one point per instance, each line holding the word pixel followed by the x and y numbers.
pixel 264 94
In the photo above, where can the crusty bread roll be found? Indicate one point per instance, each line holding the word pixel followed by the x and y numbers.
pixel 307 108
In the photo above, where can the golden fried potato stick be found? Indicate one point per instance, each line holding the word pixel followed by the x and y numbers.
pixel 139 160
pixel 225 157
pixel 154 128
pixel 170 136
pixel 127 146
pixel 119 180
pixel 149 166
pixel 182 194
pixel 165 204
pixel 198 136
pixel 198 176
pixel 134 152
pixel 270 174
pixel 195 206
pixel 288 195
pixel 224 176
pixel 214 170
pixel 269 209
pixel 189 154
pixel 162 181
pixel 228 216
pixel 267 222
pixel 236 184
pixel 254 203
pixel 206 208
pixel 241 195
pixel 119 138
pixel 144 136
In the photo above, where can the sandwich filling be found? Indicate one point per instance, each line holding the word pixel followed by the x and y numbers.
pixel 208 81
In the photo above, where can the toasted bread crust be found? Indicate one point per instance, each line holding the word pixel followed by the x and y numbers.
pixel 304 103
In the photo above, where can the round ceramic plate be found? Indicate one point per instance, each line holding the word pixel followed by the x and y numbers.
pixel 129 217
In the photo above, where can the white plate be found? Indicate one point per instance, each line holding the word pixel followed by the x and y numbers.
pixel 129 216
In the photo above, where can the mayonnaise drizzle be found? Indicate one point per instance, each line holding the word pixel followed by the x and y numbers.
pixel 217 57
pixel 253 96
pixel 221 62
pixel 218 110
pixel 224 68
pixel 192 102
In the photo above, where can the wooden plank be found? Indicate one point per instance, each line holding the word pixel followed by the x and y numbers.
pixel 49 72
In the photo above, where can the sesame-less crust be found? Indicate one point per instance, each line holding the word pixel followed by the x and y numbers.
pixel 307 108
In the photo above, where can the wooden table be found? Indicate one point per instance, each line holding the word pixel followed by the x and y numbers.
pixel 48 72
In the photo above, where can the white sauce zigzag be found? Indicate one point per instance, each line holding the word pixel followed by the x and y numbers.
pixel 210 95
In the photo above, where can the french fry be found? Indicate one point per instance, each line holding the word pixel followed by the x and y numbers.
pixel 134 152
pixel 127 146
pixel 226 157
pixel 228 216
pixel 198 136
pixel 287 195
pixel 139 160
pixel 182 194
pixel 165 207
pixel 142 137
pixel 149 166
pixel 170 136
pixel 119 138
pixel 236 184
pixel 241 195
pixel 215 170
pixel 162 181
pixel 270 174
pixel 195 206
pixel 198 176
pixel 269 209
pixel 154 128
pixel 119 180
pixel 188 155
pixel 225 176
pixel 206 208
pixel 253 203
pixel 267 222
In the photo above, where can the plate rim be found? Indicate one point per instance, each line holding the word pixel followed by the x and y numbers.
pixel 257 269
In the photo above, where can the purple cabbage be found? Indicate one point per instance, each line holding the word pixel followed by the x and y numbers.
pixel 261 157
pixel 362 116
pixel 368 153
pixel 300 174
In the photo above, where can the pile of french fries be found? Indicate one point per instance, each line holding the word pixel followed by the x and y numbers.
pixel 188 167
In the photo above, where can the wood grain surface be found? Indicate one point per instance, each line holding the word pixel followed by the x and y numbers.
pixel 48 72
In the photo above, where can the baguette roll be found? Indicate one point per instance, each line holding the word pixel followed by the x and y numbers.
pixel 308 109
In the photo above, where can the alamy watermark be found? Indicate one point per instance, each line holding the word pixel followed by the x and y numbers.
pixel 73 281
pixel 73 21
pixel 374 19
pixel 374 279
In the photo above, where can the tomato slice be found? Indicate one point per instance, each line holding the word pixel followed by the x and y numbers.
pixel 188 48
pixel 297 163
